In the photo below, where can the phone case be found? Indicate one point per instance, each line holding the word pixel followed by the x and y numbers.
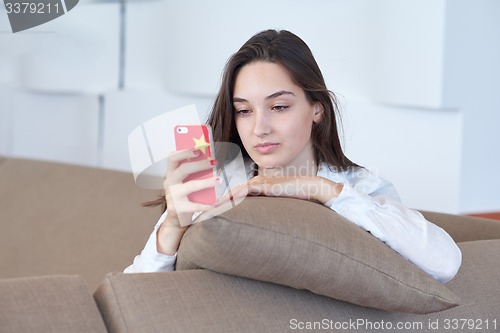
pixel 197 137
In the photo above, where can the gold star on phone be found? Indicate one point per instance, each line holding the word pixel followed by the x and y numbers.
pixel 201 144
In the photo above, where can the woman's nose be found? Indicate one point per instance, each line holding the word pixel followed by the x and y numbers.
pixel 262 123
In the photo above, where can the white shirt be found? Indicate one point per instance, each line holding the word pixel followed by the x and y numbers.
pixel 371 203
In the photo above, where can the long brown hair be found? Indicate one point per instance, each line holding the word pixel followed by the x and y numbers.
pixel 292 53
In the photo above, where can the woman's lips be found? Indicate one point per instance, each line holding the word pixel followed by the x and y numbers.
pixel 266 147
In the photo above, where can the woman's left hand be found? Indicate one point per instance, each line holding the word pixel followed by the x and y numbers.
pixel 312 188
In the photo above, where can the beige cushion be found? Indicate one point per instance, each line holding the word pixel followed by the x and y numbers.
pixel 204 301
pixel 465 228
pixel 305 245
pixel 48 304
pixel 66 219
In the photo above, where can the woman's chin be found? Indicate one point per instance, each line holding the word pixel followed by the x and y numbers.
pixel 267 164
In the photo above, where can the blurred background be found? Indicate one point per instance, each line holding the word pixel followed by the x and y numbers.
pixel 418 81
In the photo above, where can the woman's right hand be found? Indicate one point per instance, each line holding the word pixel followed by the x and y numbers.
pixel 180 209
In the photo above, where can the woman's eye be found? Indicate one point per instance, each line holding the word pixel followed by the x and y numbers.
pixel 243 112
pixel 279 108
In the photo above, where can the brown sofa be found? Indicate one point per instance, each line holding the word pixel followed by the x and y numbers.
pixel 63 228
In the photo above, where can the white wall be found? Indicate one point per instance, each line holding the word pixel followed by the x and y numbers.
pixel 54 127
pixel 371 48
pixel 403 52
pixel 472 77
pixel 396 65
pixel 126 110
pixel 5 121
pixel 418 150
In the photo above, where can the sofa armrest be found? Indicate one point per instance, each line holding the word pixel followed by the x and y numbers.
pixel 465 228
pixel 48 304
pixel 204 301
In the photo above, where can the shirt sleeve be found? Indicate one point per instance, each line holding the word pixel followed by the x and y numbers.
pixel 150 260
pixel 374 205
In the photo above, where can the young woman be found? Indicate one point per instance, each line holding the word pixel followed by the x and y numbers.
pixel 273 103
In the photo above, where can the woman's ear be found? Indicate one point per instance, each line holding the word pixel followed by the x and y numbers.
pixel 318 112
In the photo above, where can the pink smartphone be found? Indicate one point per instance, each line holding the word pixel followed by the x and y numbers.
pixel 197 137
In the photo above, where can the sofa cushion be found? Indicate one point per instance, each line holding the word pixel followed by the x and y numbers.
pixel 465 228
pixel 48 304
pixel 192 301
pixel 305 245
pixel 204 301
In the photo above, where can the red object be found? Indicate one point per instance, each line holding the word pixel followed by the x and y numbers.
pixel 197 137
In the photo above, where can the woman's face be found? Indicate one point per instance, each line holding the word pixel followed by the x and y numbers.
pixel 274 118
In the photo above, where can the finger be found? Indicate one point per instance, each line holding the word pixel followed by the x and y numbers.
pixel 270 189
pixel 258 190
pixel 235 194
pixel 178 195
pixel 281 187
pixel 240 191
pixel 183 206
pixel 257 186
pixel 200 184
pixel 188 168
pixel 229 200
pixel 187 208
pixel 179 155
pixel 177 175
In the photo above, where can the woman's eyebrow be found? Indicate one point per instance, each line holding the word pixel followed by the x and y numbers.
pixel 280 93
pixel 239 100
pixel 276 94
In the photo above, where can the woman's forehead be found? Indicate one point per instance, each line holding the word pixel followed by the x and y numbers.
pixel 264 80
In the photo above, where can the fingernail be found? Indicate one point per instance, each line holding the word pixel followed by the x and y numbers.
pixel 213 162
